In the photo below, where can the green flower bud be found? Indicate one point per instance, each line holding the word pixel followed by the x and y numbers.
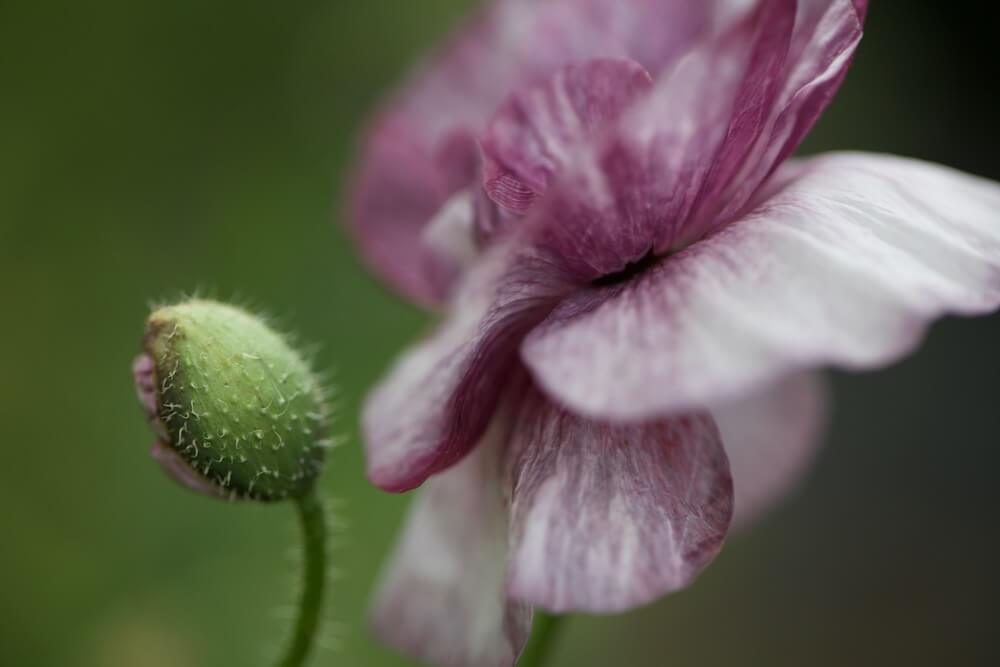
pixel 238 413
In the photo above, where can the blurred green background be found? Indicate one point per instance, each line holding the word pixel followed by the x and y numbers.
pixel 152 147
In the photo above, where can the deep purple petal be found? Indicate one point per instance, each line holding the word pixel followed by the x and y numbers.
pixel 691 155
pixel 771 437
pixel 791 82
pixel 846 265
pixel 437 399
pixel 539 129
pixel 418 152
pixel 607 517
pixel 441 598
pixel 635 188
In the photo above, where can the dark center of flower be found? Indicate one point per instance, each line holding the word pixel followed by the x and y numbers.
pixel 631 270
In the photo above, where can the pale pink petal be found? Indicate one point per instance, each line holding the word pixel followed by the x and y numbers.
pixel 510 43
pixel 433 405
pixel 606 517
pixel 441 598
pixel 452 236
pixel 771 438
pixel 537 131
pixel 846 264
pixel 398 191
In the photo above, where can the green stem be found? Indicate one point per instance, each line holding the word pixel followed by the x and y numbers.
pixel 314 564
pixel 543 636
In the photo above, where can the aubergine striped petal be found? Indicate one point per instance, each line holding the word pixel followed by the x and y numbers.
pixel 606 517
pixel 845 264
pixel 420 150
pixel 693 153
pixel 441 597
pixel 436 400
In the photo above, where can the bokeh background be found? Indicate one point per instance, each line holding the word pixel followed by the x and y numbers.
pixel 149 148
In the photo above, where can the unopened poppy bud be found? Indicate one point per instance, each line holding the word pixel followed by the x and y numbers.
pixel 236 410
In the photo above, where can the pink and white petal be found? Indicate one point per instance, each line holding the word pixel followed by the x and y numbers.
pixel 608 517
pixel 691 155
pixel 441 597
pixel 771 437
pixel 538 129
pixel 452 236
pixel 437 399
pixel 419 152
pixel 398 191
pixel 846 264
pixel 779 107
pixel 510 43
pixel 637 186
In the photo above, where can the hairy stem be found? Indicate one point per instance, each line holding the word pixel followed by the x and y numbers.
pixel 314 577
pixel 543 638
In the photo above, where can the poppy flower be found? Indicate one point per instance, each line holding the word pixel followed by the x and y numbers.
pixel 637 287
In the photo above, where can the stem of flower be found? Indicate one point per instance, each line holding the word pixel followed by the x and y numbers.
pixel 543 637
pixel 314 567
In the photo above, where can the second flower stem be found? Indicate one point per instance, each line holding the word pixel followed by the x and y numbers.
pixel 543 637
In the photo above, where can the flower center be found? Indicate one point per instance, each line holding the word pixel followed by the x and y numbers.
pixel 631 270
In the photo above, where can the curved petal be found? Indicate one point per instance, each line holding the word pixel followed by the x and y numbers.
pixel 451 235
pixel 771 437
pixel 513 42
pixel 691 155
pixel 537 131
pixel 846 265
pixel 398 190
pixel 439 396
pixel 608 517
pixel 779 101
pixel 419 152
pixel 441 597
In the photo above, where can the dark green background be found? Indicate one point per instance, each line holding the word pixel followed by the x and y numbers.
pixel 149 148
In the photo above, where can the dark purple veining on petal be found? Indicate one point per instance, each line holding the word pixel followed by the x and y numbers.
pixel 767 57
pixel 689 156
pixel 437 400
pixel 605 517
pixel 819 53
pixel 538 129
pixel 845 265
